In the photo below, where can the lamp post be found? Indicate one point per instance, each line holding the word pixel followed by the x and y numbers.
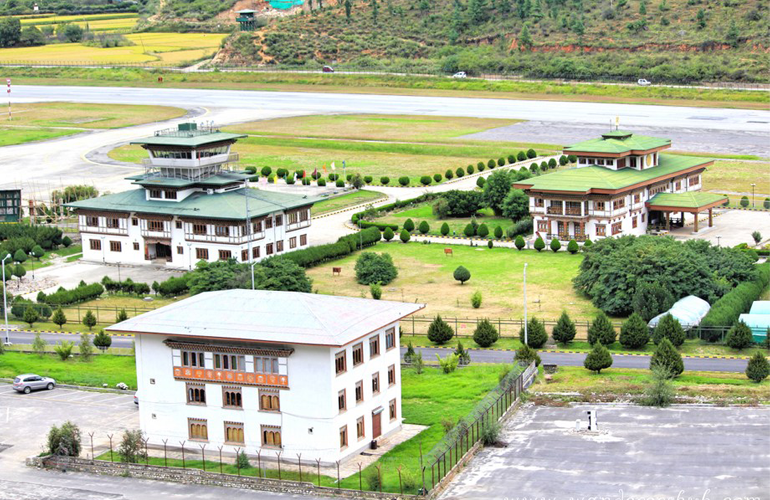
pixel 189 256
pixel 32 263
pixel 104 260
pixel 753 185
pixel 719 240
pixel 252 274
pixel 5 299
pixel 525 305
pixel 118 271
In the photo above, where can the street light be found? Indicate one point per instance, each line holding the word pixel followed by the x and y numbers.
pixel 719 240
pixel 252 274
pixel 753 185
pixel 525 305
pixel 32 263
pixel 5 299
pixel 104 260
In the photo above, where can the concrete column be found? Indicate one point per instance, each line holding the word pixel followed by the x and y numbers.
pixel 711 217
pixel 696 221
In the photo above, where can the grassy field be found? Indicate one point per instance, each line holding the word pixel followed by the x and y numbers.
pixel 409 145
pixel 425 276
pixel 737 176
pixel 101 369
pixel 43 121
pixel 612 383
pixel 424 212
pixel 150 48
pixel 50 255
pixel 351 199
pixel 95 22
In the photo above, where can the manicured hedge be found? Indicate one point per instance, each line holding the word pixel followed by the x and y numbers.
pixel 174 286
pixel 313 256
pixel 392 206
pixel 726 310
pixel 64 297
pixel 128 286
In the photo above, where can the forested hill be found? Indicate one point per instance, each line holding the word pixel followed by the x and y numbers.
pixel 675 40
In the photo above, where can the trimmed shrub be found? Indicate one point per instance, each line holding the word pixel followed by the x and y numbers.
pixel 321 182
pixel 480 182
pixel 500 162
pixel 81 293
pixel 340 183
pixel 425 180
pixel 476 299
pixel 485 334
pixel 481 166
pixel 573 247
pixel 531 153
pixel 449 174
pixel 405 237
pixel 544 166
pixel 739 336
pixel 634 333
pixel 384 181
pixel 470 169
pixel 598 359
pixel 758 368
pixel 668 328
pixel 601 330
pixel 539 244
pixel 587 244
pixel 525 355
pixel 334 177
pixel 461 274
pixel 565 330
pixel 306 181
pixel 555 245
pixel 521 156
pixel 744 201
pixel 404 181
pixel 483 231
pixel 767 203
pixel 460 172
pixel 368 179
pixel 314 255
pixel 375 268
pixel 563 160
pixel 536 334
pixel 266 171
pixel 469 231
pixel 511 159
pixel 491 164
pixel 375 290
pixel 388 234
pixel 409 225
pixel 102 341
pixel 572 158
pixel 437 178
pixel 726 310
pixel 667 358
pixel 444 229
pixel 490 243
pixel 519 242
pixel 498 232
pixel 439 331
pixel 424 227
pixel 290 180
pixel 552 163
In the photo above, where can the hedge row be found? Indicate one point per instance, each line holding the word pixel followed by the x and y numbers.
pixel 173 286
pixel 346 245
pixel 389 207
pixel 730 306
pixel 63 297
pixel 128 286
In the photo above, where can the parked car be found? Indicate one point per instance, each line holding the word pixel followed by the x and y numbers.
pixel 136 398
pixel 642 82
pixel 460 74
pixel 30 382
pixel 327 69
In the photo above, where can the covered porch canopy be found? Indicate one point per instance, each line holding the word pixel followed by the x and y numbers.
pixel 693 202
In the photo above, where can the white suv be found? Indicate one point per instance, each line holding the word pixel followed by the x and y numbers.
pixel 460 74
pixel 642 82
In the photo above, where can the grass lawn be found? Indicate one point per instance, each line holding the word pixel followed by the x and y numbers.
pixel 718 386
pixel 425 276
pixel 737 176
pixel 424 212
pixel 45 260
pixel 350 199
pixel 392 146
pixel 10 135
pixel 101 369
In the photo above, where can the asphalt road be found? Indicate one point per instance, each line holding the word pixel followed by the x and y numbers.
pixel 481 356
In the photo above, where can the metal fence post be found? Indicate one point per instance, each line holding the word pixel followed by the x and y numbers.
pixel 91 435
pixel 238 460
pixel 318 463
pixel 165 455
pixel 110 436
pixel 183 461
pixel 279 465
pixel 360 480
pixel 203 456
pixel 299 465
pixel 220 459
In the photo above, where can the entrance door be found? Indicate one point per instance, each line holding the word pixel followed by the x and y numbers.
pixel 376 424
pixel 163 251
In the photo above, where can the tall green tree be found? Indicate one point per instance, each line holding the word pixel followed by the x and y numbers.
pixel 496 189
pixel 515 205
pixel 598 359
pixel 89 319
pixel 634 333
pixel 565 330
pixel 59 318
pixel 667 358
pixel 536 334
pixel 601 330
pixel 439 331
pixel 669 328
pixel 10 31
pixel 525 39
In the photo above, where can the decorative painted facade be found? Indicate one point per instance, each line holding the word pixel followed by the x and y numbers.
pixel 271 371
pixel 192 205
pixel 615 189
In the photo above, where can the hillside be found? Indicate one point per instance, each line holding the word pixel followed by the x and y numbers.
pixel 662 40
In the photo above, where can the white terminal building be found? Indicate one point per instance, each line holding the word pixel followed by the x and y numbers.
pixel 265 370
pixel 191 205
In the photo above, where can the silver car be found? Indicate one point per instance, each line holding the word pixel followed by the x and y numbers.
pixel 30 382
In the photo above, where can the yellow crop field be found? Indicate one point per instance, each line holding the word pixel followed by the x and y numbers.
pixel 149 48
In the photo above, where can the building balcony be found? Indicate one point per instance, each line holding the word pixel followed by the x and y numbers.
pixel 565 237
pixel 231 240
pixel 231 377
pixel 122 231
pixel 298 225
pixel 573 211
pixel 191 162
pixel 555 210
pixel 147 233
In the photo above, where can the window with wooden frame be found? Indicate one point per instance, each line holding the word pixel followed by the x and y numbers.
pixel 343 437
pixel 302 240
pixel 222 230
pixel 92 221
pixel 178 224
pixel 271 436
pixel 390 338
pixel 202 253
pixel 293 217
pixel 678 185
pixel 244 255
pixel 113 222
pixel 599 205
pixel 642 217
pixel 374 346
pixel 196 394
pixel 601 230
pixel 342 401
pixel 95 244
pixel 255 253
pixel 617 228
pixel 304 215
pixel 199 229
pixel 695 180
pixel 539 202
pixel 391 375
pixel 278 220
pixel 225 255
pixel 265 364
pixel 358 354
pixel 269 401
pixel 293 242
pixel 256 227
pixel 197 429
pixel 392 408
pixel 269 223
pixel 116 246
pixel 269 249
pixel 279 245
pixel 360 429
pixel 360 391
pixel 637 198
pixel 542 225
pixel 191 358
pixel 340 363
pixel 179 249
pixel 619 203
pixel 170 195
pixel 136 246
pixel 232 362
pixel 232 397
pixel 155 225
pixel 376 383
pixel 156 193
pixel 134 221
pixel 634 222
pixel 234 433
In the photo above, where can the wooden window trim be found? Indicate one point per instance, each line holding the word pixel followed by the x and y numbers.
pixel 236 426
pixel 359 385
pixel 374 341
pixel 376 388
pixel 343 394
pixel 390 332
pixel 393 410
pixel 344 442
pixel 275 429
pixel 358 351
pixel 344 369
pixel 191 387
pixel 360 428
pixel 273 397
pixel 235 391
pixel 197 421
pixel 391 370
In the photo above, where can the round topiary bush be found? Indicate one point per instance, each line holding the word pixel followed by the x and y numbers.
pixel 519 242
pixel 266 171
pixel 405 237
pixel 409 225
pixel 388 234
pixel 490 243
pixel 521 156
pixel 485 334
pixel 555 245
pixel 511 159
pixel 368 179
pixel 539 244
pixel 744 201
pixel 424 227
pixel 534 168
pixel 348 177
pixel 469 231
pixel 289 179
pixel 491 164
pixel 437 177
pixel 481 167
pixel 334 177
pixel 316 174
pixel 340 183
pixel 573 247
pixel 483 231
pixel 544 166
pixel 500 161
pixel 572 158
pixel 462 275
pixel 498 232
pixel 552 163
pixel 767 203
pixel 281 173
pixel 306 181
pixel 444 229
pixel 250 169
pixel 587 244
pixel 562 160
pixel 271 179
pixel 531 153
pixel 425 180
pixel 321 182
pixel 460 172
pixel 480 182
pixel 384 181
pixel 449 174
pixel 404 181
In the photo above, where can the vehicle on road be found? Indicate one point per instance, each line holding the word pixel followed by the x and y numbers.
pixel 327 69
pixel 460 74
pixel 29 382
pixel 136 398
pixel 642 82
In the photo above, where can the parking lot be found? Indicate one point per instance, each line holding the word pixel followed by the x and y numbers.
pixel 26 418
pixel 682 452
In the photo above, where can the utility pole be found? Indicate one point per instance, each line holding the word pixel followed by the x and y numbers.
pixel 5 299
pixel 753 185
pixel 248 233
pixel 526 338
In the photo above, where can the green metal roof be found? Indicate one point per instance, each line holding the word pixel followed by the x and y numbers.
pixel 691 199
pixel 229 205
pixel 618 141
pixel 217 180
pixel 192 140
pixel 585 179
